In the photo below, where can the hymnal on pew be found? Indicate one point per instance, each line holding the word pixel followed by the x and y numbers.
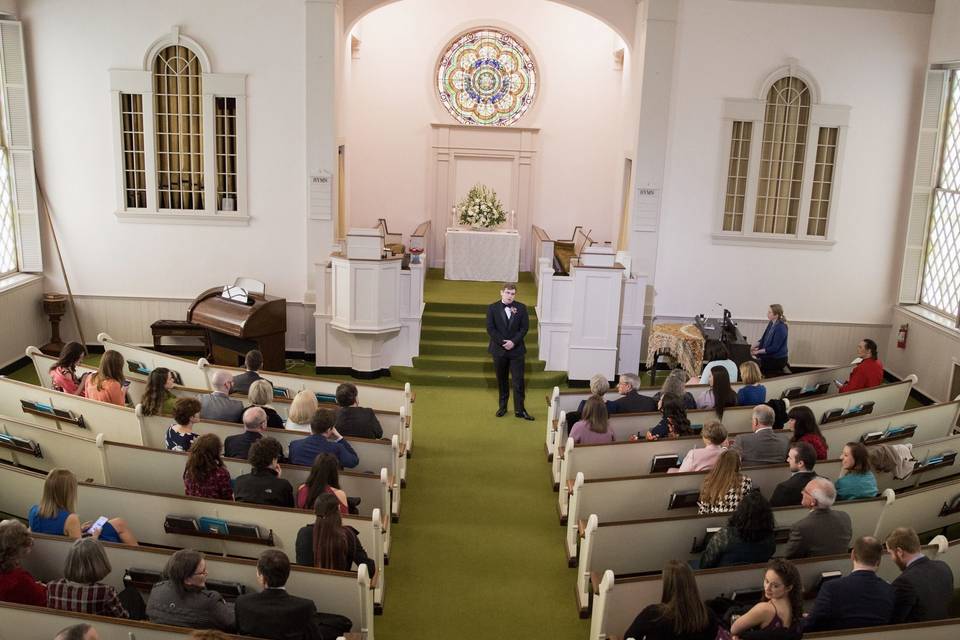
pixel 665 461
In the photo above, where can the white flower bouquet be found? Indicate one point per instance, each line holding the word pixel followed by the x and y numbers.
pixel 481 208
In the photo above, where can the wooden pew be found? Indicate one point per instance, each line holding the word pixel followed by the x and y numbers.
pixel 570 399
pixel 393 422
pixel 146 511
pixel 619 599
pixel 636 458
pixel 887 399
pixel 614 545
pixel 343 592
pixel 374 454
pixel 648 496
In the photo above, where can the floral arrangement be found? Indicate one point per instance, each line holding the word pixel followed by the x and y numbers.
pixel 481 208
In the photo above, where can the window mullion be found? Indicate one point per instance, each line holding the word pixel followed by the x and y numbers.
pixel 753 178
pixel 806 186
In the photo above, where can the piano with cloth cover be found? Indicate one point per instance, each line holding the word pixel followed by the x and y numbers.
pixel 236 328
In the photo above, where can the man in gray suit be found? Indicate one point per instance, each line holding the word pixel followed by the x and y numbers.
pixel 219 405
pixel 824 531
pixel 764 445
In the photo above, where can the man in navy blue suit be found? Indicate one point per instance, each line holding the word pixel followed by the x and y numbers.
pixel 925 587
pixel 861 599
pixel 507 324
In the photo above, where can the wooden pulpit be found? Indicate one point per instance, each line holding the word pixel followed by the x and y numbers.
pixel 236 328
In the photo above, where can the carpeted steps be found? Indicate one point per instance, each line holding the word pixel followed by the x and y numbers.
pixel 453 350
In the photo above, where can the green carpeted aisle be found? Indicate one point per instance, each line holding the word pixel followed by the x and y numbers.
pixel 478 552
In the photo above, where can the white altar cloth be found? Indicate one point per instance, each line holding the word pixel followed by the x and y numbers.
pixel 491 256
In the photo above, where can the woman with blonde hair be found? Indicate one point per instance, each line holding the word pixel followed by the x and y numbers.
pixel 724 487
pixel 752 392
pixel 55 515
pixel 108 384
pixel 592 428
pixel 714 435
pixel 261 395
pixel 302 408
pixel 771 350
pixel 680 614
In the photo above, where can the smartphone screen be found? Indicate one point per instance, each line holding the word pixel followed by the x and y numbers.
pixel 96 526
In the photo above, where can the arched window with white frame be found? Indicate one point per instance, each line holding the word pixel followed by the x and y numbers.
pixel 782 164
pixel 180 134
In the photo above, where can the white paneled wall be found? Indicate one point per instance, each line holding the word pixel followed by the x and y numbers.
pixel 815 343
pixel 21 318
pixel 932 351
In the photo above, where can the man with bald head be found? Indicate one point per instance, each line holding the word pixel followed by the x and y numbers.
pixel 824 530
pixel 218 405
pixel 254 426
pixel 764 445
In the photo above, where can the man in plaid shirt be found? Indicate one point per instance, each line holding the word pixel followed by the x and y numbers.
pixel 80 590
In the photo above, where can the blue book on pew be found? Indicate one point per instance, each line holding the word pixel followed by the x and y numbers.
pixel 326 397
pixel 213 525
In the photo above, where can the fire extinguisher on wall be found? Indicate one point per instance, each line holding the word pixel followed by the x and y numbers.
pixel 902 336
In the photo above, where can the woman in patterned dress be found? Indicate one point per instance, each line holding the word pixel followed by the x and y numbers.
pixel 724 486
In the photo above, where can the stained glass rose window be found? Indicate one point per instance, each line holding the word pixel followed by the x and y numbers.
pixel 487 77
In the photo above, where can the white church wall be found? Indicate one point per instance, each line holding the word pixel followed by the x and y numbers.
pixel 872 61
pixel 71 47
pixel 932 350
pixel 391 104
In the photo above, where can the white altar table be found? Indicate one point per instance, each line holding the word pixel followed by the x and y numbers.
pixel 491 256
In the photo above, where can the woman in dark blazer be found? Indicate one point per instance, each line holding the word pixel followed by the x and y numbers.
pixel 681 614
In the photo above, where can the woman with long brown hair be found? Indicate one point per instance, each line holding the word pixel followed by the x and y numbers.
pixel 681 613
pixel 56 514
pixel 204 475
pixel 782 605
pixel 324 478
pixel 724 486
pixel 328 544
pixel 720 395
pixel 107 384
pixel 592 428
pixel 157 398
pixel 63 372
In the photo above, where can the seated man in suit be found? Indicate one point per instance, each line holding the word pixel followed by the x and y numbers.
pixel 925 587
pixel 218 405
pixel 824 530
pixel 254 426
pixel 861 599
pixel 764 445
pixel 263 485
pixel 869 371
pixel 325 439
pixel 632 401
pixel 801 458
pixel 252 363
pixel 353 420
pixel 273 613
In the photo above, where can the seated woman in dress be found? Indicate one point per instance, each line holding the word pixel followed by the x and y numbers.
pixel 714 436
pixel 302 408
pixel 715 354
pixel 261 395
pixel 856 479
pixel 204 475
pixel 81 590
pixel 180 435
pixel 328 544
pixel 771 350
pixel 673 420
pixel 676 383
pixel 181 598
pixel 724 487
pixel 107 384
pixel 720 395
pixel 324 478
pixel 752 392
pixel 782 605
pixel 16 584
pixel 593 426
pixel 803 423
pixel 56 513
pixel 680 615
pixel 63 373
pixel 157 398
pixel 747 538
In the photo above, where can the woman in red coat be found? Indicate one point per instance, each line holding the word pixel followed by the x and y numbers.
pixel 16 584
pixel 869 372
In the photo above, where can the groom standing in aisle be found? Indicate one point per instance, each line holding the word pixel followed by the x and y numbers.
pixel 507 324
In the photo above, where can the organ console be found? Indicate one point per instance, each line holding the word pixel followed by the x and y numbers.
pixel 236 327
